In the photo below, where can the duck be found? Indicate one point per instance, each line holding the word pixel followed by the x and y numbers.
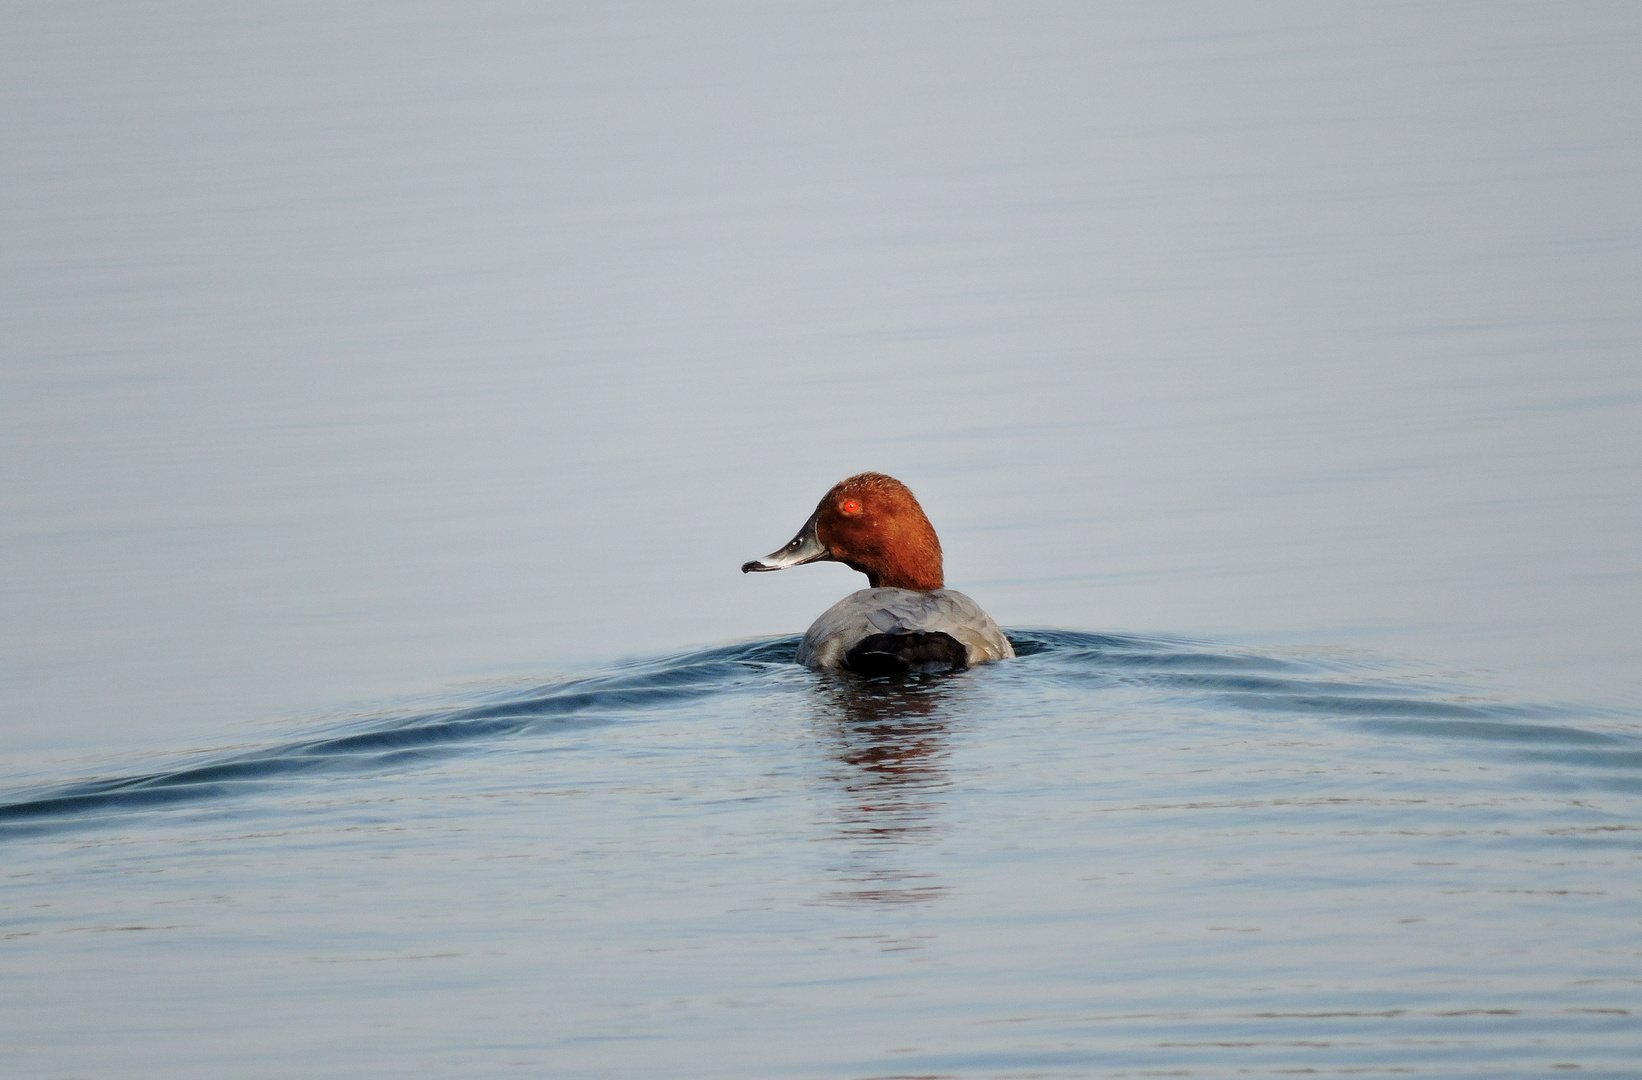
pixel 906 620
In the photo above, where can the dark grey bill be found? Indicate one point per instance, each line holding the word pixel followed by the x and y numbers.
pixel 803 548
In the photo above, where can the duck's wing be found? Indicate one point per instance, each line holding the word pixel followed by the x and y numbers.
pixel 963 618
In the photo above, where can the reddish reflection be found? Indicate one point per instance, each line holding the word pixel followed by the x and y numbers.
pixel 890 742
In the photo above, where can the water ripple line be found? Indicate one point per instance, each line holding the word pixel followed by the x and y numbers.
pixel 1183 671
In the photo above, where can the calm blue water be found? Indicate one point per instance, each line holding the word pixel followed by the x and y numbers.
pixel 372 378
pixel 1115 856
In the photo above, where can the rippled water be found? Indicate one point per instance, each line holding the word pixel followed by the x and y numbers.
pixel 372 377
pixel 1113 856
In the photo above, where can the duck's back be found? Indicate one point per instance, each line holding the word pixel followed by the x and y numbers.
pixel 860 615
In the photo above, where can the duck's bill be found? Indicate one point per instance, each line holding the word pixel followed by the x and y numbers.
pixel 803 548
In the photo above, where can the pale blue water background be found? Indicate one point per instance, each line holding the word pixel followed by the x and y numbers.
pixel 372 379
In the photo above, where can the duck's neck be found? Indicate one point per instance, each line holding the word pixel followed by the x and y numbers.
pixel 915 572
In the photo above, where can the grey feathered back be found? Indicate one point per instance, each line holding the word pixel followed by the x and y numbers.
pixel 899 611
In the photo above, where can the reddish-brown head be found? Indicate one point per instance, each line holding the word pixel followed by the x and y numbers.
pixel 870 523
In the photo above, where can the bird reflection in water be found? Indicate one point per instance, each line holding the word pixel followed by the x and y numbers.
pixel 889 740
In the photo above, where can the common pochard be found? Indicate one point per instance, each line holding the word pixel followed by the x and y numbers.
pixel 905 620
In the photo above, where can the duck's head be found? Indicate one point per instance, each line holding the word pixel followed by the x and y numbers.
pixel 870 523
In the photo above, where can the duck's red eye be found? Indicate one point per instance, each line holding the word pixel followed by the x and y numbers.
pixel 850 506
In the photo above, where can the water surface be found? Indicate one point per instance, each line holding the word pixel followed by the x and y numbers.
pixel 1115 855
pixel 373 380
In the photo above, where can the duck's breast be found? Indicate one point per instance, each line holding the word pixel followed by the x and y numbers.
pixel 899 611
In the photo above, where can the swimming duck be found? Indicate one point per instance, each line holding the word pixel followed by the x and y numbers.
pixel 905 620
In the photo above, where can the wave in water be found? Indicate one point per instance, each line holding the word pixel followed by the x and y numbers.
pixel 1188 673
